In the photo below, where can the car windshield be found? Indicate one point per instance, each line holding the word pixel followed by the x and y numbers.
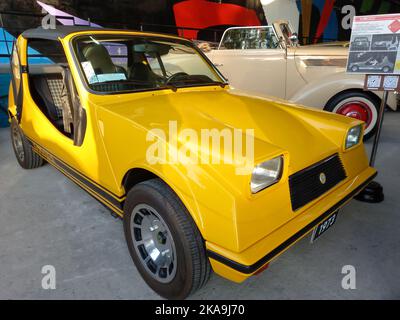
pixel 136 63
pixel 249 38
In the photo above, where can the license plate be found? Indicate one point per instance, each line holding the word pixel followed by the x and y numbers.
pixel 323 226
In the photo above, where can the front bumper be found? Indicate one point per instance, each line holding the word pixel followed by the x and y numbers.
pixel 239 266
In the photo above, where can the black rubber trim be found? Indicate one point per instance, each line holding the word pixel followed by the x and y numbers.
pixel 84 180
pixel 89 184
pixel 254 267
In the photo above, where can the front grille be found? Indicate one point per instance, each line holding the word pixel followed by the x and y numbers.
pixel 306 185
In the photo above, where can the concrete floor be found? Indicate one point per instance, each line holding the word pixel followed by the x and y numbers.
pixel 47 220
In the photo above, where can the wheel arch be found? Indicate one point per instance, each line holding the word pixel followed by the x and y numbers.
pixel 355 90
pixel 140 174
pixel 391 103
pixel 135 176
pixel 318 93
pixel 214 226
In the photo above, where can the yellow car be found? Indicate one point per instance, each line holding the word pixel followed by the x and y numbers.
pixel 203 178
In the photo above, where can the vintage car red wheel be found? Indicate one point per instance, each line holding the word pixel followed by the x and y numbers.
pixel 359 106
pixel 356 109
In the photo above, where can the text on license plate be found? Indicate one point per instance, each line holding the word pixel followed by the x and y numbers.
pixel 323 226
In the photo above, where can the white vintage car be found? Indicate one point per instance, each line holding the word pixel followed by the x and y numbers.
pixel 268 61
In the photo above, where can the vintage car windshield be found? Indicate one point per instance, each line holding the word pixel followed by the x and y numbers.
pixel 136 63
pixel 249 38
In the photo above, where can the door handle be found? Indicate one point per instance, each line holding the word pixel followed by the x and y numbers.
pixel 218 64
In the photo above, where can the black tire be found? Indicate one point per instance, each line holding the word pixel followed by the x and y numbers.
pixel 373 104
pixel 26 157
pixel 193 267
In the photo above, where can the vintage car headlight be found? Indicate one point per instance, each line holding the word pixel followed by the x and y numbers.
pixel 353 136
pixel 266 174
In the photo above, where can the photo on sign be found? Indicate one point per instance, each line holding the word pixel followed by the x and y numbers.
pixel 361 43
pixel 385 42
pixel 373 61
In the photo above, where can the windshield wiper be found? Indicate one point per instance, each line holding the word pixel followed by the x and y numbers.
pixel 219 83
pixel 202 83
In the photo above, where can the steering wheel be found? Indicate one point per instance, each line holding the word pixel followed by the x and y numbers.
pixel 176 75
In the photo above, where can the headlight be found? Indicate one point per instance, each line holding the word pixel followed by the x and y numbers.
pixel 353 136
pixel 266 174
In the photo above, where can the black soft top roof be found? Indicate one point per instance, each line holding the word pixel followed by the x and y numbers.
pixel 59 32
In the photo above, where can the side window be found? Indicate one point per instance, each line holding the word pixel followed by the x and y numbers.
pixel 249 38
pixel 41 51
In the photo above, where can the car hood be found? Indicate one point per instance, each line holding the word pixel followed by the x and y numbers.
pixel 278 127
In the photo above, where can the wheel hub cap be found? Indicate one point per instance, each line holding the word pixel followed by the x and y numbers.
pixel 18 145
pixel 357 110
pixel 153 243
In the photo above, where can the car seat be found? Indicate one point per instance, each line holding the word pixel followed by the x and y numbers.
pixel 100 59
pixel 141 72
pixel 49 87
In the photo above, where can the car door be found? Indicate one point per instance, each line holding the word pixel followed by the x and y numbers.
pixel 253 60
pixel 48 99
pixel 65 137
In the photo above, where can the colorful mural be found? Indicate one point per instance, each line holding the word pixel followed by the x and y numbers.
pixel 65 18
pixel 320 20
pixel 202 14
pixel 327 20
pixel 213 17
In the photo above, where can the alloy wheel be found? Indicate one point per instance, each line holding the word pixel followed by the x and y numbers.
pixel 153 242
pixel 18 143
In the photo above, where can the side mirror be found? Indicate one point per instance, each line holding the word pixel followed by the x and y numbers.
pixel 294 39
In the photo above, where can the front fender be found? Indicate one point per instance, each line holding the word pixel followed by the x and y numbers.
pixel 210 202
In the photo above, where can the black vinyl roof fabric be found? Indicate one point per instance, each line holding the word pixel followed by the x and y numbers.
pixel 63 31
pixel 59 32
